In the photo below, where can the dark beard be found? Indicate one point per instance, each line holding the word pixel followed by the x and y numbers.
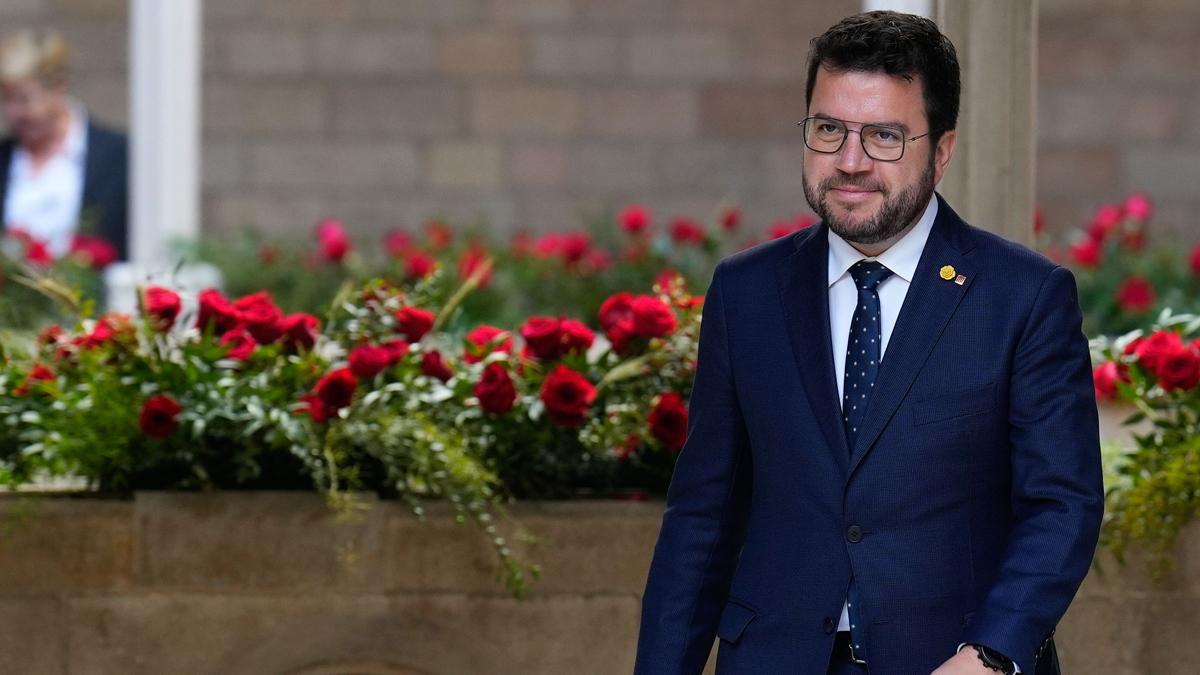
pixel 896 214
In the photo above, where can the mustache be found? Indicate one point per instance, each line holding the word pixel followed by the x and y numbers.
pixel 860 184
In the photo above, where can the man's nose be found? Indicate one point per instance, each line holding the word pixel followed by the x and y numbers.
pixel 851 157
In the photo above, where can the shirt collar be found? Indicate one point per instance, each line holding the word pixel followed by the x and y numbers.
pixel 901 258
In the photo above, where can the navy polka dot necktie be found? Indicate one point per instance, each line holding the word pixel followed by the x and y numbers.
pixel 864 350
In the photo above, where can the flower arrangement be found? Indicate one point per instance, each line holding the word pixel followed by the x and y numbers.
pixel 27 265
pixel 1155 487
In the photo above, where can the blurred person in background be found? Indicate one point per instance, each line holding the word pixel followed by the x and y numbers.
pixel 63 177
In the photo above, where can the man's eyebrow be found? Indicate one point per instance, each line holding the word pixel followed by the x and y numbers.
pixel 895 124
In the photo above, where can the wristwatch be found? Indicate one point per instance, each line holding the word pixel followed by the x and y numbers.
pixel 994 660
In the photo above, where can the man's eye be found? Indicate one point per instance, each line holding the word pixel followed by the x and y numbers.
pixel 886 135
pixel 828 128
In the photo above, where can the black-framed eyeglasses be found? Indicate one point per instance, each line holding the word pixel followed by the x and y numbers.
pixel 881 142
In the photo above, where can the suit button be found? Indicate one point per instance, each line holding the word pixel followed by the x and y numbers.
pixel 828 625
pixel 854 534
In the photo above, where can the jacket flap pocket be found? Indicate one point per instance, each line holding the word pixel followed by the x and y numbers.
pixel 734 620
pixel 954 404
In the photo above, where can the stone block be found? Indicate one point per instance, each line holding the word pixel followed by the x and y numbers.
pixel 90 8
pixel 785 167
pixel 776 55
pixel 649 112
pixel 1078 170
pixel 496 211
pixel 1103 634
pixel 539 165
pixel 575 54
pixel 98 46
pixel 470 52
pixel 312 11
pixel 1170 622
pixel 51 545
pixel 406 110
pixel 1067 59
pixel 711 165
pixel 469 165
pixel 1171 169
pixel 268 52
pixel 234 107
pixel 607 167
pixel 748 110
pixel 530 12
pixel 257 542
pixel 222 165
pixel 333 164
pixel 1100 114
pixel 106 98
pixel 365 53
pixel 525 111
pixel 637 13
pixel 36 635
pixel 681 56
pixel 272 212
pixel 423 11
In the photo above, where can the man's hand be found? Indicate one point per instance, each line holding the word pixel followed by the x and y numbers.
pixel 965 662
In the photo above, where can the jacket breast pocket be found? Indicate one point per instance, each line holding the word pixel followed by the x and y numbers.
pixel 954 405
pixel 734 619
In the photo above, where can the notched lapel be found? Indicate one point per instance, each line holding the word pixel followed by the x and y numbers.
pixel 803 279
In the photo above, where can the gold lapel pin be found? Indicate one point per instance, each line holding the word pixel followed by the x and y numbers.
pixel 947 272
pixel 960 280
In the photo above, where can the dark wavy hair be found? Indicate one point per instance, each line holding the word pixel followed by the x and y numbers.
pixel 902 45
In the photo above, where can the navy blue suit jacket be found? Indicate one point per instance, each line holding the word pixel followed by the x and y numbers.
pixel 975 481
pixel 104 210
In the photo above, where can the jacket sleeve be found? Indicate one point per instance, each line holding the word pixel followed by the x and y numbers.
pixel 1057 494
pixel 703 525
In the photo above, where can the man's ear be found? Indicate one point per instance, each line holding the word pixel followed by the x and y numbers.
pixel 942 153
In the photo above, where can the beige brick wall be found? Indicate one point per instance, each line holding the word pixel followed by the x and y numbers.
pixel 522 112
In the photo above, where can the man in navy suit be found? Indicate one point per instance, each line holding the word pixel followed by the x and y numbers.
pixel 892 463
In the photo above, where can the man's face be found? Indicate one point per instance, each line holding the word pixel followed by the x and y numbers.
pixel 865 200
pixel 30 108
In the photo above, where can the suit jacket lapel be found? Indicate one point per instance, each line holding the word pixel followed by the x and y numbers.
pixel 927 308
pixel 803 280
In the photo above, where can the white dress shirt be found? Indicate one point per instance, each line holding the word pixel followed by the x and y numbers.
pixel 901 258
pixel 46 202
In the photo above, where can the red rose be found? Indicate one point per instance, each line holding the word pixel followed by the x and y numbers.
pixel 617 308
pixel 495 390
pixel 104 331
pixel 315 408
pixel 162 304
pixel 484 340
pixel 397 350
pixel 159 416
pixel 50 335
pixel 241 344
pixel 418 265
pixel 38 373
pixel 216 311
pixel 397 242
pixel 38 254
pixel 332 240
pixel 635 218
pixel 574 246
pixel 262 317
pixel 543 335
pixel 567 395
pixel 1107 219
pixel 438 234
pixel 1195 260
pixel 1086 252
pixel 94 251
pixel 652 317
pixel 414 323
pixel 433 365
pixel 669 281
pixel 367 361
pixel 299 330
pixel 598 260
pixel 522 244
pixel 731 218
pixel 1105 378
pixel 1039 222
pixel 1179 370
pixel 475 259
pixel 668 420
pixel 576 337
pixel 1135 295
pixel 685 231
pixel 336 389
pixel 1138 207
pixel 1152 351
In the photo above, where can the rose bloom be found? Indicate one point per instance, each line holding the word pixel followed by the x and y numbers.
pixel 543 336
pixel 1179 370
pixel 1039 221
pixel 479 343
pixel 1195 260
pixel 37 373
pixel 652 317
pixel 438 234
pixel 495 390
pixel 159 417
pixel 1138 207
pixel 332 241
pixel 1107 219
pixel 1086 252
pixel 94 251
pixel 397 350
pixel 574 246
pixel 433 365
pixel 240 343
pixel 397 242
pixel 299 330
pixel 217 311
pixel 567 395
pixel 547 245
pixel 731 218
pixel 414 323
pixel 668 420
pixel 367 361
pixel 38 254
pixel 1135 295
pixel 616 318
pixel 1105 377
pixel 1153 350
pixel 473 259
pixel 576 337
pixel 685 231
pixel 418 265
pixel 162 304
pixel 634 219
pixel 261 316
pixel 336 389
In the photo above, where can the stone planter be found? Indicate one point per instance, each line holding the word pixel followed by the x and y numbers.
pixel 275 583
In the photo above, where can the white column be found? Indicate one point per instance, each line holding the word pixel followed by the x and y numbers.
pixel 165 133
pixel 921 7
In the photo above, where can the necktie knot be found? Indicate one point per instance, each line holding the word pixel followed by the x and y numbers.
pixel 868 274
